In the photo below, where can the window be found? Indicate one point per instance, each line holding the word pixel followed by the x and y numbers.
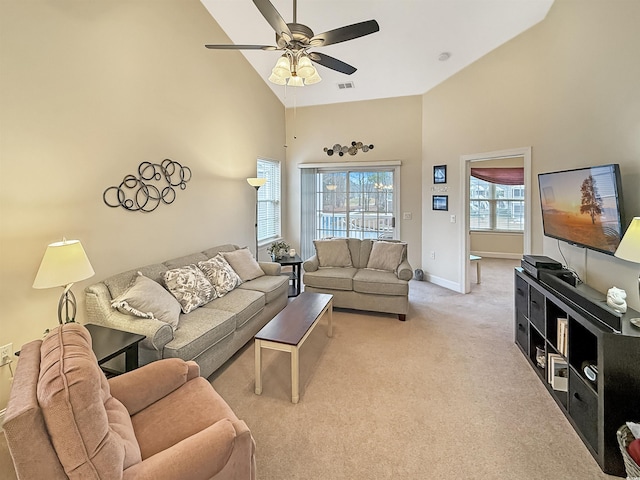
pixel 496 207
pixel 348 201
pixel 269 200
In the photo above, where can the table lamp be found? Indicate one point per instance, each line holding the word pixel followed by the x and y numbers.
pixel 63 264
pixel 629 248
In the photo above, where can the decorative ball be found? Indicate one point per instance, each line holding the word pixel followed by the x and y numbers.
pixel 365 148
pixel 370 147
pixel 353 143
pixel 341 153
pixel 345 149
pixel 325 149
pixel 329 152
pixel 337 147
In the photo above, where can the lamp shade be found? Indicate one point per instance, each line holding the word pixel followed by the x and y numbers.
pixel 273 78
pixel 256 182
pixel 295 82
pixel 282 68
pixel 315 78
pixel 305 68
pixel 63 263
pixel 629 248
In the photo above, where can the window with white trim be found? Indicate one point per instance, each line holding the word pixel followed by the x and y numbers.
pixel 269 201
pixel 495 207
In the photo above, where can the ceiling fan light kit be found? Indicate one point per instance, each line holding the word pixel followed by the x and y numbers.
pixel 295 67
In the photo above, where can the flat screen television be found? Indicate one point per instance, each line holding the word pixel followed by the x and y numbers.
pixel 584 206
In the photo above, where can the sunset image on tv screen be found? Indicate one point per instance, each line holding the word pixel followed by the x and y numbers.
pixel 581 207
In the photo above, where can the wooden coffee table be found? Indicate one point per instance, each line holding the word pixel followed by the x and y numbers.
pixel 289 329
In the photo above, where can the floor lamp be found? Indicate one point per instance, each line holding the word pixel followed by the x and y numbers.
pixel 256 183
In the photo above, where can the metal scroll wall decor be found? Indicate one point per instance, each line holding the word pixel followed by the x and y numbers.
pixel 351 150
pixel 155 184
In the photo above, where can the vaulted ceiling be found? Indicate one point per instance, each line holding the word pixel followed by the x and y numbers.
pixel 402 59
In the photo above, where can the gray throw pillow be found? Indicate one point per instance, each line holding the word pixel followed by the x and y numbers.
pixel 190 287
pixel 243 264
pixel 146 298
pixel 386 256
pixel 220 274
pixel 333 253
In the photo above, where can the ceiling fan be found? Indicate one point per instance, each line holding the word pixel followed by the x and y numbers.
pixel 295 40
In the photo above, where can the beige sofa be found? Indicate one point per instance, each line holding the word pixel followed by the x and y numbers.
pixel 209 334
pixel 365 274
pixel 163 421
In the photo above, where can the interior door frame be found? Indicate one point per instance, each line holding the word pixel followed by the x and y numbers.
pixel 464 230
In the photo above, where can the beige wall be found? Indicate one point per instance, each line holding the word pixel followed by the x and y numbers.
pixel 391 125
pixel 568 87
pixel 88 91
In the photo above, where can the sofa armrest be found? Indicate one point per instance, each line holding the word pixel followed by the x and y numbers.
pixel 312 264
pixel 405 272
pixel 143 386
pixel 100 312
pixel 201 455
pixel 270 268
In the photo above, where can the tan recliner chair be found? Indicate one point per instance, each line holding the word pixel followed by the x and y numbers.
pixel 162 421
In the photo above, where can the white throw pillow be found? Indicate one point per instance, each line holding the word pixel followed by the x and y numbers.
pixel 243 264
pixel 148 299
pixel 190 287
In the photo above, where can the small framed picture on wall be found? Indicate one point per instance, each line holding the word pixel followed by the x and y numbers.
pixel 440 202
pixel 440 174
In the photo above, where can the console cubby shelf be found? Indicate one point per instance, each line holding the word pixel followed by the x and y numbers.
pixel 594 409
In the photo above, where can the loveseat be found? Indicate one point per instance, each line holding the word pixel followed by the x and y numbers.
pixel 163 421
pixel 194 327
pixel 365 274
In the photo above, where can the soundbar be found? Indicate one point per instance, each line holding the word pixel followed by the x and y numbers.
pixel 589 300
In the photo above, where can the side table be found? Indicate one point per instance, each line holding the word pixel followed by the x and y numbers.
pixel 107 343
pixel 295 263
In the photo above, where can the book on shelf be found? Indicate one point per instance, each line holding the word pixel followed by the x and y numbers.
pixel 558 373
pixel 563 335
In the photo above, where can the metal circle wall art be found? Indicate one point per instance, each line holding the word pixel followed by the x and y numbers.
pixel 350 149
pixel 154 184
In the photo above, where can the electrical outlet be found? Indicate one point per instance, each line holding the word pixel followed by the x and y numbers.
pixel 406 216
pixel 433 255
pixel 5 353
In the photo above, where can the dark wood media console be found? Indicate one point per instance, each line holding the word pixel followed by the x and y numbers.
pixel 595 409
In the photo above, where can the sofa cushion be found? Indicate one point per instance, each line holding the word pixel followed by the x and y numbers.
pixel 190 287
pixel 90 430
pixel 379 282
pixel 333 278
pixel 271 286
pixel 243 263
pixel 333 253
pixel 220 274
pixel 386 256
pixel 200 406
pixel 199 330
pixel 192 259
pixel 245 304
pixel 148 299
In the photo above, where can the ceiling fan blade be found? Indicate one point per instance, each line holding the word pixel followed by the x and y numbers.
pixel 242 47
pixel 332 63
pixel 272 16
pixel 343 34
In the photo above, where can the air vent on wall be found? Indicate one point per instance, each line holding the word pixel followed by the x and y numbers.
pixel 345 85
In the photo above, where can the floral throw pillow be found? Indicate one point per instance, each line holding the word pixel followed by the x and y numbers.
pixel 190 287
pixel 220 275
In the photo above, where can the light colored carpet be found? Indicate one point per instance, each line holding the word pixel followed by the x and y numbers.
pixel 444 395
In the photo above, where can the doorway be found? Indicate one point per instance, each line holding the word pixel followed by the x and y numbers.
pixel 464 234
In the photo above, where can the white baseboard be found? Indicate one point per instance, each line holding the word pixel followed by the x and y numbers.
pixel 442 282
pixel 512 256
